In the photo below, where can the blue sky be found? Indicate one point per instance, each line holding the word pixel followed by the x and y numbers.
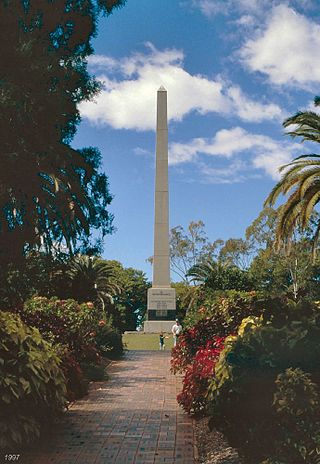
pixel 233 69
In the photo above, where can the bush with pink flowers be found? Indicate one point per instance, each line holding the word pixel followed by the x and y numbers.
pixel 79 334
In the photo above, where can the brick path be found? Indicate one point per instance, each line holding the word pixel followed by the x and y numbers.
pixel 131 418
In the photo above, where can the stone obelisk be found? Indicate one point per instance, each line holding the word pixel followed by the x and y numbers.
pixel 161 297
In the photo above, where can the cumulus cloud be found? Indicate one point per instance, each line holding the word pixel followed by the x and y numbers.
pixel 286 49
pixel 238 148
pixel 127 100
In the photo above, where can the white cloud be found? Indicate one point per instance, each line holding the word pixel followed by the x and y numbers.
pixel 254 151
pixel 214 7
pixel 286 50
pixel 127 100
pixel 250 110
pixel 142 152
pixel 234 172
pixel 248 8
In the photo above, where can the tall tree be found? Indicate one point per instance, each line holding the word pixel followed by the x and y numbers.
pixel 286 270
pixel 237 252
pixel 187 248
pixel 48 190
pixel 301 180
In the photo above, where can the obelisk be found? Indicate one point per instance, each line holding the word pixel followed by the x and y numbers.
pixel 161 297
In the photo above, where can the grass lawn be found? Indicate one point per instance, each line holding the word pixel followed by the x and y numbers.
pixel 142 341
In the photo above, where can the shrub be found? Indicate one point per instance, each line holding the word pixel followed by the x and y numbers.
pixel 219 319
pixel 246 385
pixel 95 372
pixel 62 321
pixel 76 382
pixel 32 384
pixel 296 404
pixel 108 340
pixel 223 315
pixel 197 376
pixel 230 306
pixel 70 327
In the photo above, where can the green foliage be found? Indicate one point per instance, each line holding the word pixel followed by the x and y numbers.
pixel 246 385
pixel 229 308
pixel 219 318
pixel 92 279
pixel 301 179
pixel 71 328
pixel 188 298
pixel 236 252
pixel 76 383
pixel 214 275
pixel 32 384
pixel 108 340
pixel 63 322
pixel 94 372
pixel 130 305
pixel 296 404
pixel 188 248
pixel 57 193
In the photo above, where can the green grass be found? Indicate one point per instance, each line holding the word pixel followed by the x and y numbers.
pixel 142 341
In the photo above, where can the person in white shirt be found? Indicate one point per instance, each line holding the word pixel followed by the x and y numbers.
pixel 176 331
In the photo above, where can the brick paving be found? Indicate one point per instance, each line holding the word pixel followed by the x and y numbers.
pixel 131 418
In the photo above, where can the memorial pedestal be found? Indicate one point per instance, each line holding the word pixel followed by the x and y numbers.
pixel 161 310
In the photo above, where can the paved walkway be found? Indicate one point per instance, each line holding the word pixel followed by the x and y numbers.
pixel 131 418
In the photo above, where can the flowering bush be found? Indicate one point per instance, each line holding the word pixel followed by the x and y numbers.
pixel 195 338
pixel 231 305
pixel 62 321
pixel 197 376
pixel 70 326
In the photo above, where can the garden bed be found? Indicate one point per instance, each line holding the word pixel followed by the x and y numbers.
pixel 212 447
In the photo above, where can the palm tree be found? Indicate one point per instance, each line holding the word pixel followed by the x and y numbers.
pixel 220 276
pixel 301 180
pixel 92 279
pixel 204 273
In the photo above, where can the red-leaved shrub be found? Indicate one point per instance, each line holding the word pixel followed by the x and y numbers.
pixel 197 376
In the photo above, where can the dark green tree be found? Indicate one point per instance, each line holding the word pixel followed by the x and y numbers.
pixel 50 193
pixel 92 279
pixel 214 275
pixel 130 305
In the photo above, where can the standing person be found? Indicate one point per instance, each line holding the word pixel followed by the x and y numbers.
pixel 161 341
pixel 176 330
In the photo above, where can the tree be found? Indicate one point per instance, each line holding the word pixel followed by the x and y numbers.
pixel 187 248
pixel 92 279
pixel 301 178
pixel 187 297
pixel 48 190
pixel 236 252
pixel 130 306
pixel 215 275
pixel 287 270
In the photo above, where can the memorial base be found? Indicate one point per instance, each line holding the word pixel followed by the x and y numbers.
pixel 158 326
pixel 161 310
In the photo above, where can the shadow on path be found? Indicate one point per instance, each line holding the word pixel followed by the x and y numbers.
pixel 131 418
